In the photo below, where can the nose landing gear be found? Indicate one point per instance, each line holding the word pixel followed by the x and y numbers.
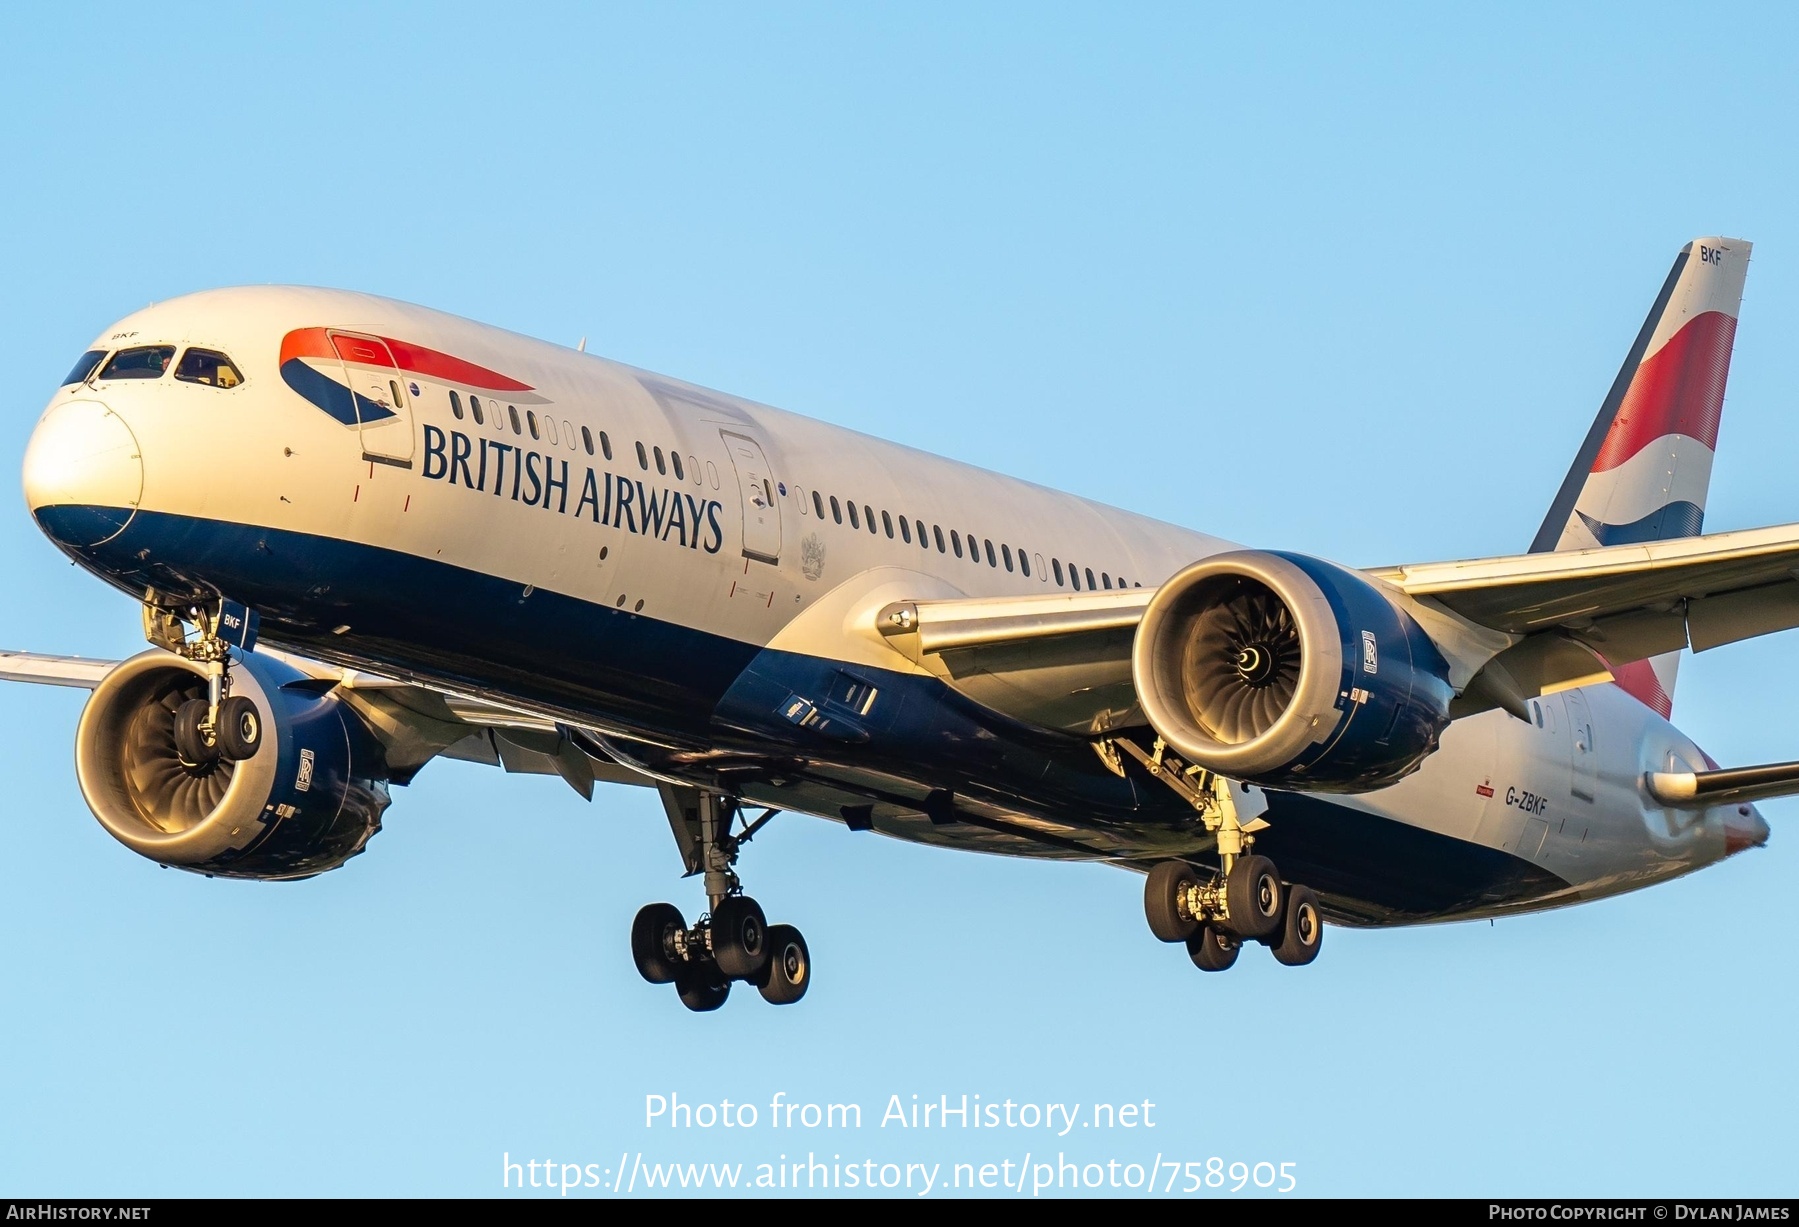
pixel 222 726
pixel 732 942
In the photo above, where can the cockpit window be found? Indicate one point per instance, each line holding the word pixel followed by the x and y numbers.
pixel 84 366
pixel 139 362
pixel 208 366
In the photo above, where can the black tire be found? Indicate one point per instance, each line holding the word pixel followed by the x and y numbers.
pixel 240 729
pixel 702 989
pixel 651 945
pixel 789 971
pixel 1302 929
pixel 740 938
pixel 190 742
pixel 1252 897
pixel 1163 901
pixel 1212 949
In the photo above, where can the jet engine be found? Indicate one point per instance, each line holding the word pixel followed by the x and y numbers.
pixel 1289 672
pixel 309 797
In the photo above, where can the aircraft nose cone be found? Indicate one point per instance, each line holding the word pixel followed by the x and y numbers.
pixel 83 474
pixel 1744 827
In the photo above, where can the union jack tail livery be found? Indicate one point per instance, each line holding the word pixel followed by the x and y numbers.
pixel 1644 469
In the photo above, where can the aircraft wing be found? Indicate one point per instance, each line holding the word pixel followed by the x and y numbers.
pixel 415 723
pixel 1721 588
pixel 1512 627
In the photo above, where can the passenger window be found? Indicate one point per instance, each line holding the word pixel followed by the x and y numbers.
pixel 549 430
pixel 140 362
pixel 1024 564
pixel 676 458
pixel 587 440
pixel 1105 579
pixel 870 513
pixel 836 511
pixel 1005 551
pixel 512 412
pixel 531 420
pixel 887 523
pixel 391 386
pixel 474 408
pixel 605 445
pixel 455 404
pixel 643 459
pixel 568 433
pixel 818 505
pixel 1074 577
pixel 937 532
pixel 661 465
pixel 214 369
pixel 905 530
pixel 991 560
pixel 1056 565
pixel 1090 584
pixel 923 539
pixel 854 522
pixel 956 541
pixel 84 366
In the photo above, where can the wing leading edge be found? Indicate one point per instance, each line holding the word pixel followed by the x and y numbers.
pixel 414 723
pixel 1513 627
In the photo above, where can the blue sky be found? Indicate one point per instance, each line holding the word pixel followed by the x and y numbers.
pixel 1350 281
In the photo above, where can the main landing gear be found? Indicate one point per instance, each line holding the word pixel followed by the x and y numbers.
pixel 1216 912
pixel 733 941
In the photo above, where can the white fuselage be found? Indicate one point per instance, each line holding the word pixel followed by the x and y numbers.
pixel 732 551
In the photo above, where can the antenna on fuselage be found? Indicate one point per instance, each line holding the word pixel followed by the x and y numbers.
pixel 582 347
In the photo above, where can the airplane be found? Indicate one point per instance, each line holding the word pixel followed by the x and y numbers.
pixel 365 535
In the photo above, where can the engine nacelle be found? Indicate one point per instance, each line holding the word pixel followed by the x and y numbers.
pixel 309 799
pixel 1289 672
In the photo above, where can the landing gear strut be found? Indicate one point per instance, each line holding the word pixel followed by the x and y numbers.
pixel 733 941
pixel 1215 912
pixel 222 726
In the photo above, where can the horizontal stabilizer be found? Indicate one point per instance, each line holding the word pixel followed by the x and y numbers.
pixel 1703 789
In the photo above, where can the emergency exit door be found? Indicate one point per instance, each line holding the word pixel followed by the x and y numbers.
pixel 383 412
pixel 756 489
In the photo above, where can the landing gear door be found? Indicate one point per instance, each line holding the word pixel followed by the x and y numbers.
pixel 383 413
pixel 756 489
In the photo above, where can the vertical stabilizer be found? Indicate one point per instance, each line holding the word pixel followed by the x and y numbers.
pixel 1646 465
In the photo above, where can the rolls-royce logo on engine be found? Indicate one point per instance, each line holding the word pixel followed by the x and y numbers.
pixel 1370 653
pixel 303 779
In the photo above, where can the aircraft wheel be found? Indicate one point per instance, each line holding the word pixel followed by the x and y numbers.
pixel 651 943
pixel 1302 928
pixel 1165 895
pixel 1252 897
pixel 740 937
pixel 240 728
pixel 190 742
pixel 1212 949
pixel 702 988
pixel 788 973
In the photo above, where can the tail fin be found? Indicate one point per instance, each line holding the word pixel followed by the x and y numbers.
pixel 1646 465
